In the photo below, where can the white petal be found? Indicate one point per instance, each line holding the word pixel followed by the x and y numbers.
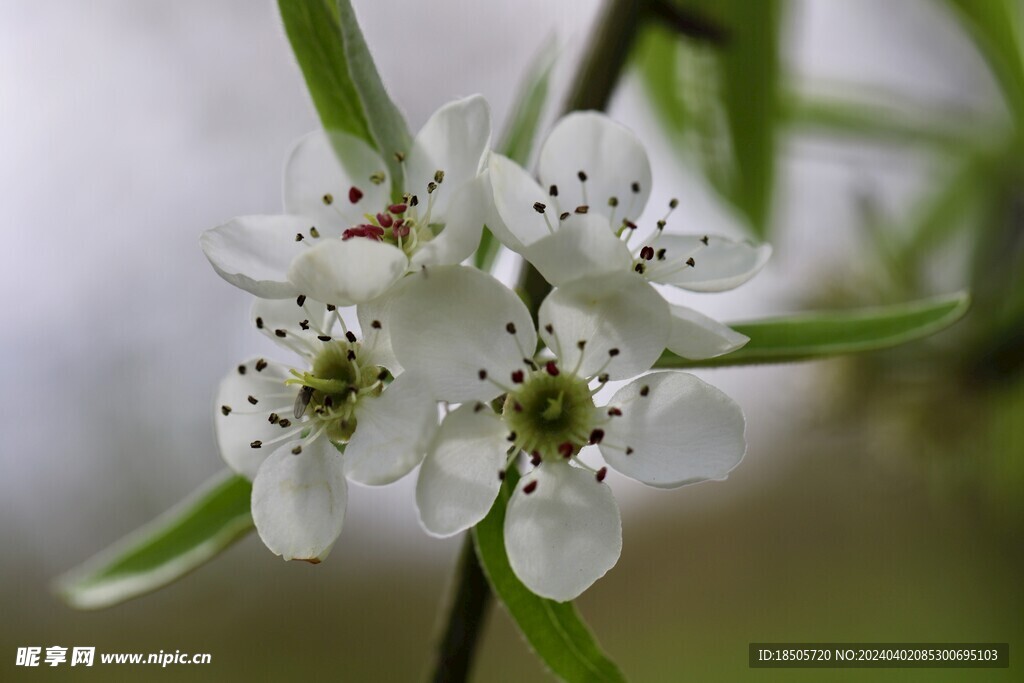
pixel 298 501
pixel 683 431
pixel 464 224
pixel 720 265
pixel 254 252
pixel 619 313
pixel 316 169
pixel 696 336
pixel 453 140
pixel 516 196
pixel 610 155
pixel 448 323
pixel 392 433
pixel 346 272
pixel 565 534
pixel 583 246
pixel 245 422
pixel 274 316
pixel 459 478
pixel 375 324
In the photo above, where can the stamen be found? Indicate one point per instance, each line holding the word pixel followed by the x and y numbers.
pixel 596 436
pixel 259 323
pixel 252 399
pixel 225 410
pixel 241 369
pixel 552 368
pixel 328 199
pixel 566 449
pixel 300 300
pixel 601 474
pixel 297 450
pixel 530 488
pixel 553 191
pixel 354 194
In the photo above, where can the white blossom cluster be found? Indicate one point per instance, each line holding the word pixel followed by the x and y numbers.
pixel 362 405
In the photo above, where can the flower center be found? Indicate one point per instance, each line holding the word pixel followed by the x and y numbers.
pixel 331 391
pixel 551 415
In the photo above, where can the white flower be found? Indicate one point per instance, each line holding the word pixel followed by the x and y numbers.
pixel 336 186
pixel 598 179
pixel 473 341
pixel 299 432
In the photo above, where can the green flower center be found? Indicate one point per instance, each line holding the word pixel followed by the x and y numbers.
pixel 551 415
pixel 331 391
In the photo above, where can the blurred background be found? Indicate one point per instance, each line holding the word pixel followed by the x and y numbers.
pixel 877 145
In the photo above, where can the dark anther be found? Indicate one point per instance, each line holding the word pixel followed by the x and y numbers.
pixel 582 176
pixel 613 201
pixel 613 352
pixel 549 328
pixel 510 328
pixel 331 307
pixel 285 424
pixel 511 437
pixel 301 299
pixel 431 186
pixel 501 475
pixel 596 436
pixel 351 337
pixel 581 344
pixel 661 224
pixel 552 368
pixel 673 204
pixel 530 363
pixel 280 333
pixel 225 410
pixel 601 474
pixel 661 254
pixel 629 224
pixel 553 190
pixel 375 324
pixel 539 207
pixel 382 375
pixel 517 376
pixel 261 365
pixel 635 187
pixel 273 418
pixel 530 488
pixel 253 400
pixel 614 412
pixel 704 239
pixel 603 378
pixel 259 323
pixel 399 157
pixel 629 450
pixel 582 208
pixel 639 268
pixel 478 407
pixel 323 337
pixel 482 374
pixel 644 390
pixel 328 199
pixel 354 194
pixel 647 253
pixel 414 201
pixel 313 232
pixel 328 402
pixel 298 237
pixel 256 444
pixel 535 459
pixel 304 324
pixel 351 355
pixel 565 449
pixel 296 450
pixel 563 215
pixel 690 262
pixel 438 176
pixel 241 369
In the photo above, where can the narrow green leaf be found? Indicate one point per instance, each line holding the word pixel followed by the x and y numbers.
pixel 554 630
pixel 386 123
pixel 811 336
pixel 520 136
pixel 315 36
pixel 180 540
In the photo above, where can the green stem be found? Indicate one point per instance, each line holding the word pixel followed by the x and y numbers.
pixel 598 74
pixel 466 618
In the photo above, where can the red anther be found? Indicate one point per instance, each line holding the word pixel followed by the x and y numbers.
pixel 614 412
pixel 371 231
pixel 602 473
pixel 530 488
pixel 400 229
pixel 566 449
pixel 517 406
pixel 596 436
pixel 535 460
pixel 647 253
pixel 398 208
pixel 517 376
pixel 354 194
pixel 385 220
pixel 552 368
pixel 629 224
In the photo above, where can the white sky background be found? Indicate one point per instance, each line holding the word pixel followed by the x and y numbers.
pixel 127 128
